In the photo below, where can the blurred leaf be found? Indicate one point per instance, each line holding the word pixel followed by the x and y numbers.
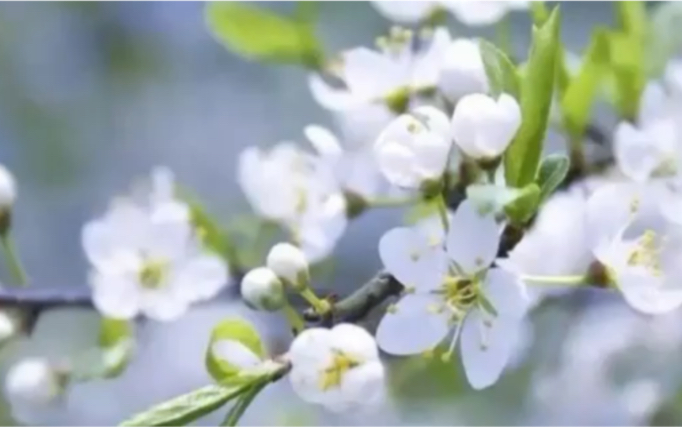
pixel 235 329
pixel 632 17
pixel 522 209
pixel 577 100
pixel 665 38
pixel 539 12
pixel 257 33
pixel 425 379
pixel 523 155
pixel 421 210
pixel 117 341
pixel 184 409
pixel 553 170
pixel 499 69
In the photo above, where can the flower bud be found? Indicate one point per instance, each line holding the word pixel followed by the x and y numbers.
pixel 8 193
pixel 33 381
pixel 263 290
pixel 414 148
pixel 8 326
pixel 290 264
pixel 462 72
pixel 484 127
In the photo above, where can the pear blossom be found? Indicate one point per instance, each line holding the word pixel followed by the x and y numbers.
pixel 484 305
pixel 462 71
pixel 484 127
pixel 8 188
pixel 471 13
pixel 263 290
pixel 297 190
pixel 388 76
pixel 33 382
pixel 414 148
pixel 338 368
pixel 147 259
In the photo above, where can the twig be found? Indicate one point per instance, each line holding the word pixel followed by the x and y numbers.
pixel 40 299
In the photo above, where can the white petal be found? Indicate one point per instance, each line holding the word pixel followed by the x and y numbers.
pixel 115 296
pixel 506 292
pixel 475 13
pixel 332 98
pixel 311 349
pixel 428 64
pixel 653 103
pixel 371 75
pixel 168 239
pixel 463 72
pixel 404 12
pixel 201 277
pixel 609 209
pixel 648 295
pixel 354 340
pixel 432 156
pixel 486 350
pixel 235 353
pixel 435 120
pixel 413 327
pixel 163 305
pixel 364 385
pixel 636 154
pixel 411 259
pixel 98 241
pixel 325 143
pixel 306 384
pixel 473 239
pixel 396 163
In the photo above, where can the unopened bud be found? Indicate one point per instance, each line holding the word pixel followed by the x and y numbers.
pixel 8 326
pixel 263 290
pixel 33 381
pixel 290 264
pixel 8 193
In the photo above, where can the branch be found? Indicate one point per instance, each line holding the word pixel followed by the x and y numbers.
pixel 360 303
pixel 41 299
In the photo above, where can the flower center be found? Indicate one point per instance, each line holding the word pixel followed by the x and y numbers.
pixel 153 273
pixel 459 295
pixel 333 374
pixel 647 253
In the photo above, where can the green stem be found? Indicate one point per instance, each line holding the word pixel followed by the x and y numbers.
pixel 443 212
pixel 503 35
pixel 386 202
pixel 559 280
pixel 320 306
pixel 295 320
pixel 13 260
pixel 236 412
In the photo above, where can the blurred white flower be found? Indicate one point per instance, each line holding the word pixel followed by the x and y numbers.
pixel 33 382
pixel 485 306
pixel 289 263
pixel 355 170
pixel 8 188
pixel 8 326
pixel 638 247
pixel 338 368
pixel 484 127
pixel 262 289
pixel 414 148
pixel 462 72
pixel 387 77
pixel 479 13
pixel 297 190
pixel 405 12
pixel 147 260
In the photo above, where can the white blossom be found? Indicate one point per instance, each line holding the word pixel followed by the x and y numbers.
pixel 8 188
pixel 405 12
pixel 263 290
pixel 8 326
pixel 485 306
pixel 289 263
pixel 414 148
pixel 33 382
pixel 484 127
pixel 387 77
pixel 471 13
pixel 462 71
pixel 338 368
pixel 146 259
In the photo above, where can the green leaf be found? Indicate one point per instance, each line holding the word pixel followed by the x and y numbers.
pixel 489 198
pixel 117 342
pixel 257 33
pixel 231 329
pixel 501 73
pixel 539 12
pixel 522 209
pixel 523 155
pixel 632 17
pixel 184 409
pixel 552 172
pixel 578 98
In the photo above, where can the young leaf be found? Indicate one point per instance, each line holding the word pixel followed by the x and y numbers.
pixel 233 329
pixel 257 33
pixel 552 172
pixel 522 209
pixel 184 409
pixel 501 73
pixel 577 100
pixel 523 155
pixel 539 12
pixel 117 342
pixel 491 198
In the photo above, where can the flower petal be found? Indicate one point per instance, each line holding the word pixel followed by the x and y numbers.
pixel 163 305
pixel 364 385
pixel 413 326
pixel 115 296
pixel 636 154
pixel 371 75
pixel 354 340
pixel 201 277
pixel 324 142
pixel 506 292
pixel 332 98
pixel 408 256
pixel 404 12
pixel 647 294
pixel 473 239
pixel 486 350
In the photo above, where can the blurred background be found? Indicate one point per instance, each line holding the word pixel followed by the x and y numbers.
pixel 93 95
